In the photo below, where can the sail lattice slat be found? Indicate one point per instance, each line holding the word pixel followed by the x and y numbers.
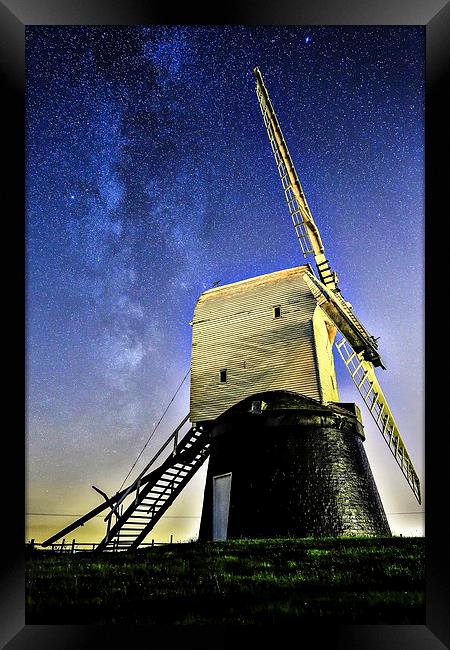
pixel 365 380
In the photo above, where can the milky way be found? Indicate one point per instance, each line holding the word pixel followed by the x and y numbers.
pixel 150 176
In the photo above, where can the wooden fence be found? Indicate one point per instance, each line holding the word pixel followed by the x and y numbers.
pixel 78 547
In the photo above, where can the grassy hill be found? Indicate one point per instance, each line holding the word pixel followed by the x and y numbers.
pixel 237 582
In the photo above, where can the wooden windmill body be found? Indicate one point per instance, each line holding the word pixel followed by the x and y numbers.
pixel 262 334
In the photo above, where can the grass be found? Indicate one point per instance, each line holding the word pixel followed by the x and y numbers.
pixel 237 582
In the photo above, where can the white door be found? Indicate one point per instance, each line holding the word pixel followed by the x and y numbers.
pixel 221 505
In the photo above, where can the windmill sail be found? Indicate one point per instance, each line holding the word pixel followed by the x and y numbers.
pixel 365 380
pixel 358 348
pixel 305 228
pixel 293 192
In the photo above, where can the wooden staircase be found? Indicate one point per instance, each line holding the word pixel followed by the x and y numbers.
pixel 138 508
pixel 155 493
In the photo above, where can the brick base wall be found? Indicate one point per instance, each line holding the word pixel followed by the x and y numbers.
pixel 298 469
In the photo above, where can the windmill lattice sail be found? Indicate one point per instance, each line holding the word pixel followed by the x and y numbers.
pixel 297 209
pixel 306 230
pixel 365 380
pixel 358 349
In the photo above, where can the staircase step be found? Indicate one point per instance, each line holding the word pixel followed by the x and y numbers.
pixel 133 516
pixel 136 524
pixel 152 500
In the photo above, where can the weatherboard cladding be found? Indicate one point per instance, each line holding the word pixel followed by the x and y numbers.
pixel 234 329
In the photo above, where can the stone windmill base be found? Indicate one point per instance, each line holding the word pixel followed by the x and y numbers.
pixel 283 465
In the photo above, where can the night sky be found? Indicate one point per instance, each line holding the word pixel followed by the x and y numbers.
pixel 150 176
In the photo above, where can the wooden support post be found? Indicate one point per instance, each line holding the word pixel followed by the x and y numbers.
pixel 73 546
pixel 171 539
pixel 62 545
pixel 153 542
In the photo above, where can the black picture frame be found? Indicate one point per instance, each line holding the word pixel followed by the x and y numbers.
pixel 434 16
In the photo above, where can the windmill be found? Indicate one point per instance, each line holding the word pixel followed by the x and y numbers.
pixel 285 456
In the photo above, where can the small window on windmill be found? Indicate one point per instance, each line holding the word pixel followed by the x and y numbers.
pixel 223 376
pixel 258 406
pixel 277 311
